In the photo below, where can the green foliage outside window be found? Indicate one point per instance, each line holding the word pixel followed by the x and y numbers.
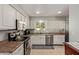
pixel 40 26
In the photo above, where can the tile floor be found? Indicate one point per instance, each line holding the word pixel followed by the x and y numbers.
pixel 58 50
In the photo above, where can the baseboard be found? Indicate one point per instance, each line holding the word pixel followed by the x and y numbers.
pixel 58 45
pixel 42 46
pixel 47 45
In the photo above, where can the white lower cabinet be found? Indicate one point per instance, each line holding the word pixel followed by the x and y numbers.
pixel 38 39
pixel 18 51
pixel 42 39
pixel 58 39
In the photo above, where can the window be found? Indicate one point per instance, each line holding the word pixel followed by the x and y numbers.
pixel 40 26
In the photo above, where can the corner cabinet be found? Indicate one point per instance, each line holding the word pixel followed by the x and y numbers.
pixel 58 39
pixel 7 17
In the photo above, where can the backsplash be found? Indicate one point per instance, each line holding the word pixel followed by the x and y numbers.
pixel 3 36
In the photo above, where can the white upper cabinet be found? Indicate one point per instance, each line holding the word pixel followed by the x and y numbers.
pixel 27 21
pixel 0 17
pixel 19 16
pixel 9 17
pixel 23 18
pixel 21 21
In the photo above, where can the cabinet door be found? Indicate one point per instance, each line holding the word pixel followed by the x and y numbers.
pixel 42 39
pixel 35 39
pixel 9 17
pixel 27 21
pixel 19 16
pixel 24 25
pixel 19 51
pixel 23 18
pixel 38 39
pixel 0 17
pixel 59 39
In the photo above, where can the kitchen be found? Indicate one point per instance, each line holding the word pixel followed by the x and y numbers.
pixel 33 29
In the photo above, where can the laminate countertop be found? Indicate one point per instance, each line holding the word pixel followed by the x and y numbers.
pixel 9 47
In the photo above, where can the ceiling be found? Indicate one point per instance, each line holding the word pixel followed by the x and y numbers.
pixel 45 9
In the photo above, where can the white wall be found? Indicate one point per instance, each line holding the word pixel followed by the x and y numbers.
pixel 67 24
pixel 53 24
pixel 74 23
pixel 3 36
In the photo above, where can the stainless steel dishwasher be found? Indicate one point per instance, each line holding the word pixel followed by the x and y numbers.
pixel 49 40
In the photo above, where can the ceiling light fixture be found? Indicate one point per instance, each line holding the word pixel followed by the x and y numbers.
pixel 41 21
pixel 59 12
pixel 37 12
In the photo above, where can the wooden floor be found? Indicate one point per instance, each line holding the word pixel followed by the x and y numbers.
pixel 58 50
